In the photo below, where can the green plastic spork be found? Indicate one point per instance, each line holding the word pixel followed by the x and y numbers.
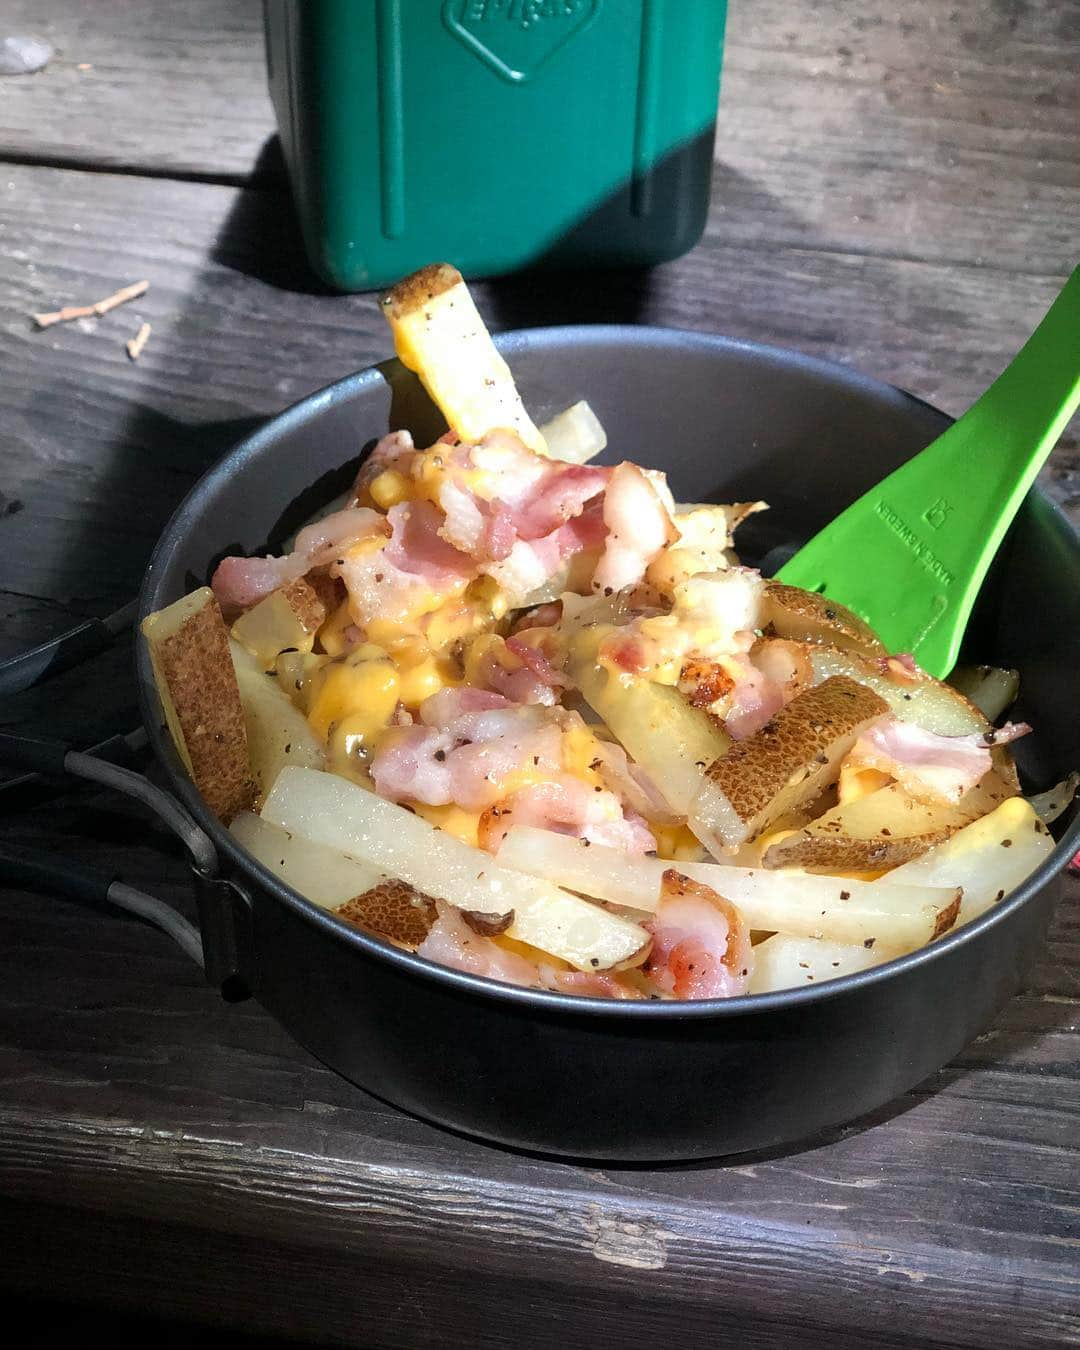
pixel 910 555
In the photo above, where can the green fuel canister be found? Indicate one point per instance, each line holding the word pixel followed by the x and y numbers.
pixel 494 134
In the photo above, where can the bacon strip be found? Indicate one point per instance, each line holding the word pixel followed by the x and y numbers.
pixel 937 768
pixel 240 583
pixel 701 947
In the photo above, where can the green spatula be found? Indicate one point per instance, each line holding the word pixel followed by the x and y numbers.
pixel 910 555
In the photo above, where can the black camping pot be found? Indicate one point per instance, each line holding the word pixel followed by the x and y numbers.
pixel 634 1081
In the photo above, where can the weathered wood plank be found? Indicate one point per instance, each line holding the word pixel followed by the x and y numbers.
pixel 177 89
pixel 874 131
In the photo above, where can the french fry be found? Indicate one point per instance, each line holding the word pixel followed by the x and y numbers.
pixel 439 334
pixel 797 903
pixel 286 619
pixel 884 829
pixel 354 891
pixel 988 858
pixel 671 741
pixel 324 876
pixel 189 650
pixel 927 702
pixel 277 732
pixel 326 809
pixel 784 962
pixel 574 435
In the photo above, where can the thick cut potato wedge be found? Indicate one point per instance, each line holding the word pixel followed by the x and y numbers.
pixel 788 762
pixel 329 810
pixel 325 876
pixel 287 619
pixel 439 334
pixel 805 616
pixel 189 649
pixel 574 435
pixel 277 732
pixel 798 903
pixel 988 858
pixel 883 830
pixel 784 962
pixel 671 741
pixel 927 702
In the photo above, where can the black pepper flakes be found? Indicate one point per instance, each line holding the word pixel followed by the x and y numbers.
pixel 1006 843
pixel 845 895
pixel 869 943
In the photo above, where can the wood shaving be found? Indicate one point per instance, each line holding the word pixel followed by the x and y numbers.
pixel 99 307
pixel 136 344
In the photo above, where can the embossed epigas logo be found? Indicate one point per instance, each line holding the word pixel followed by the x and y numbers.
pixel 517 37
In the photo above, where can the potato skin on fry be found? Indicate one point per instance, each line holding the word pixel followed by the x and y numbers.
pixel 392 910
pixel 411 292
pixel 198 688
pixel 806 616
pixel 843 854
pixel 790 759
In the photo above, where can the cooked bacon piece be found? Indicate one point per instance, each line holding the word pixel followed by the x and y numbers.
pixel 413 574
pixel 753 700
pixel 566 805
pixel 497 495
pixel 451 942
pixel 532 562
pixel 560 496
pixel 467 751
pixel 585 983
pixel 628 650
pixel 532 654
pixel 482 772
pixel 443 708
pixel 240 583
pixel 928 766
pixel 411 764
pixel 704 682
pixel 701 947
pixel 639 525
pixel 500 668
pixel 417 547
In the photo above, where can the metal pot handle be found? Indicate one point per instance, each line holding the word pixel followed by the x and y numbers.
pixel 218 945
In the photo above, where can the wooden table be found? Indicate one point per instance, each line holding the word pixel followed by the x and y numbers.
pixel 898 188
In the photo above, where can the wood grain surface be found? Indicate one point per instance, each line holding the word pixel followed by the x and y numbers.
pixel 896 188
